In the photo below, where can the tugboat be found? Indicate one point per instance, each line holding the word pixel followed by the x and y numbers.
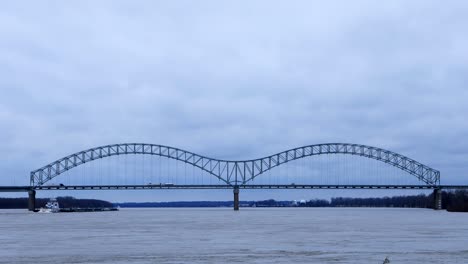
pixel 52 206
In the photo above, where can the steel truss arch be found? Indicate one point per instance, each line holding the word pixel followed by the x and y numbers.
pixel 234 172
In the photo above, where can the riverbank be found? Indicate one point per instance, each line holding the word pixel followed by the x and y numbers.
pixel 65 202
pixel 451 201
pixel 456 201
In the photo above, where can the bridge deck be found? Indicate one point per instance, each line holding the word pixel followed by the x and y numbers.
pixel 250 186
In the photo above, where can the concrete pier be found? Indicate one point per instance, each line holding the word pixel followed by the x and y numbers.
pixel 32 200
pixel 437 199
pixel 236 198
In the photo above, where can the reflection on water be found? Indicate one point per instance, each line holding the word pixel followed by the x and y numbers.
pixel 252 235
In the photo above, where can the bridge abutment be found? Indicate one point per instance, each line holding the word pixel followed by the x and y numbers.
pixel 32 200
pixel 236 198
pixel 437 193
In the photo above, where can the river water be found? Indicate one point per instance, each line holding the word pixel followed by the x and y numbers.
pixel 220 235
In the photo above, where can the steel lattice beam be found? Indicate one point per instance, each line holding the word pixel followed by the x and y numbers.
pixel 235 172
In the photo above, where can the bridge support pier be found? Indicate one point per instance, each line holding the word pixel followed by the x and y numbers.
pixel 32 200
pixel 236 198
pixel 437 199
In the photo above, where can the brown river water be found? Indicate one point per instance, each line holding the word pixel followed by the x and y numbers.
pixel 221 235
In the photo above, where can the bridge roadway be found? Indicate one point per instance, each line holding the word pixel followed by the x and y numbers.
pixel 221 186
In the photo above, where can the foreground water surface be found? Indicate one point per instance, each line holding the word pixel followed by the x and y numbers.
pixel 220 235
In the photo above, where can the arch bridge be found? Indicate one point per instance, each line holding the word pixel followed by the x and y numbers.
pixel 235 174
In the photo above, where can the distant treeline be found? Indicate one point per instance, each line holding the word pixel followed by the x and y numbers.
pixel 176 204
pixel 456 201
pixel 413 201
pixel 452 201
pixel 64 202
pixel 193 204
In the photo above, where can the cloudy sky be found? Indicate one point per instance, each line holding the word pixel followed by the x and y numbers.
pixel 233 80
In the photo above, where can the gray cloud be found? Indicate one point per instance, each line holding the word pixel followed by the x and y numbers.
pixel 233 80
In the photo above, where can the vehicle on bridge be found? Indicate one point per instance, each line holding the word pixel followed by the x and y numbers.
pixel 160 184
pixel 56 185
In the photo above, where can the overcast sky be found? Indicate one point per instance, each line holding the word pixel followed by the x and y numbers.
pixel 233 80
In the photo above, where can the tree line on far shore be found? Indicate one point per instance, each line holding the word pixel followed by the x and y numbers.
pixel 455 201
pixel 452 201
pixel 64 202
